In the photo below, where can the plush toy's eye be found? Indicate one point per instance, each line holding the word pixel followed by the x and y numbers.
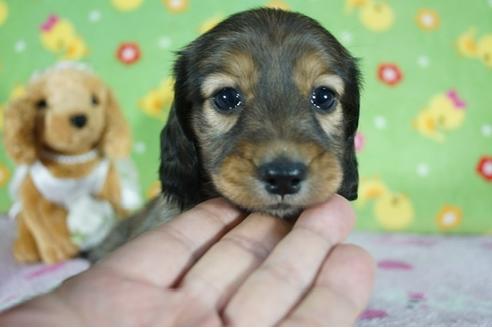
pixel 41 104
pixel 227 99
pixel 94 100
pixel 323 99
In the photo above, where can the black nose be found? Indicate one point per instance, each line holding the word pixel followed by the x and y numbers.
pixel 282 177
pixel 79 121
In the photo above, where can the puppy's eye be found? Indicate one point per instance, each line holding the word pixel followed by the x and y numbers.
pixel 94 100
pixel 323 99
pixel 227 99
pixel 41 104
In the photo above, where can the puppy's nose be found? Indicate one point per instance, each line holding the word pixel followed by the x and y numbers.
pixel 282 177
pixel 79 121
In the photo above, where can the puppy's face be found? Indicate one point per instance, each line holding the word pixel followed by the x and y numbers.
pixel 70 106
pixel 270 101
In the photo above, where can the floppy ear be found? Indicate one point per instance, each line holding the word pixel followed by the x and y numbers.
pixel 19 131
pixel 351 104
pixel 350 182
pixel 180 172
pixel 116 141
pixel 182 91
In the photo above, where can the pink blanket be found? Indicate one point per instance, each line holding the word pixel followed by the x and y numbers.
pixel 429 280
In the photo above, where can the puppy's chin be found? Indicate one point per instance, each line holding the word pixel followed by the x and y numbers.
pixel 282 211
pixel 285 212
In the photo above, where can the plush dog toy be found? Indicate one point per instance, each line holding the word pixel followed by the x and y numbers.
pixel 71 144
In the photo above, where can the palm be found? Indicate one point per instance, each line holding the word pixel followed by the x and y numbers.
pixel 211 266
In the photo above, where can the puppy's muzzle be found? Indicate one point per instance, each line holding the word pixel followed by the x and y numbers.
pixel 282 176
pixel 78 121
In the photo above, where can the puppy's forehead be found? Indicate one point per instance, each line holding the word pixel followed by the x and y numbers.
pixel 271 59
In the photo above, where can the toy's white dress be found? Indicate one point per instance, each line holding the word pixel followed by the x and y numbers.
pixel 89 219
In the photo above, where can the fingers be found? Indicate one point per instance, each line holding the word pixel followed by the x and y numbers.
pixel 341 290
pixel 283 278
pixel 161 256
pixel 226 264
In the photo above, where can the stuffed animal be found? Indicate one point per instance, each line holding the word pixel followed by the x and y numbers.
pixel 71 144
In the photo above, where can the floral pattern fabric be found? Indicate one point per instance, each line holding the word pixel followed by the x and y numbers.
pixel 425 137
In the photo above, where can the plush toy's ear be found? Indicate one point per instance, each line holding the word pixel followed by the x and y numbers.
pixel 19 131
pixel 116 141
pixel 180 171
pixel 351 104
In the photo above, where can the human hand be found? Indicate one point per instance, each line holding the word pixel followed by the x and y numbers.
pixel 213 266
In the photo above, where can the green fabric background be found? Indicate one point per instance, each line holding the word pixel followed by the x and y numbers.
pixel 410 181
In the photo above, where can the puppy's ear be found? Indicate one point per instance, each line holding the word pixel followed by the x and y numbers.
pixel 351 104
pixel 182 93
pixel 180 172
pixel 19 131
pixel 350 182
pixel 116 141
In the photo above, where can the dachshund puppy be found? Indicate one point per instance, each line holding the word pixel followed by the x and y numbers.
pixel 266 107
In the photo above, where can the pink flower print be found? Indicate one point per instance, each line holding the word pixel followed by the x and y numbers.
pixel 416 296
pixel 370 314
pixel 359 142
pixel 487 245
pixel 394 265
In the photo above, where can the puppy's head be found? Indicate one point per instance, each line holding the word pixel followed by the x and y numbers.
pixel 66 110
pixel 265 112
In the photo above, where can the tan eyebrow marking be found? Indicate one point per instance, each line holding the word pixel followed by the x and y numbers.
pixel 311 70
pixel 332 81
pixel 215 82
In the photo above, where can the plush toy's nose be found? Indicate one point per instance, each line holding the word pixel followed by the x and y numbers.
pixel 79 121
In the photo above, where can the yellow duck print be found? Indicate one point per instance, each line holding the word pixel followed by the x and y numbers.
pixel 445 112
pixel 393 211
pixel 209 24
pixel 375 15
pixel 278 4
pixel 484 50
pixel 156 102
pixel 4 12
pixel 466 43
pixel 59 36
pixel 469 46
pixel 370 189
pixel 126 5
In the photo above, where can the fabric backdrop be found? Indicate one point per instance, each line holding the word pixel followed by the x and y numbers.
pixel 425 137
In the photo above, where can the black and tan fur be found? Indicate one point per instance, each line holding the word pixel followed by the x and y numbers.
pixel 275 58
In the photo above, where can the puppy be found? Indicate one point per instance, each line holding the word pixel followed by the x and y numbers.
pixel 266 106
